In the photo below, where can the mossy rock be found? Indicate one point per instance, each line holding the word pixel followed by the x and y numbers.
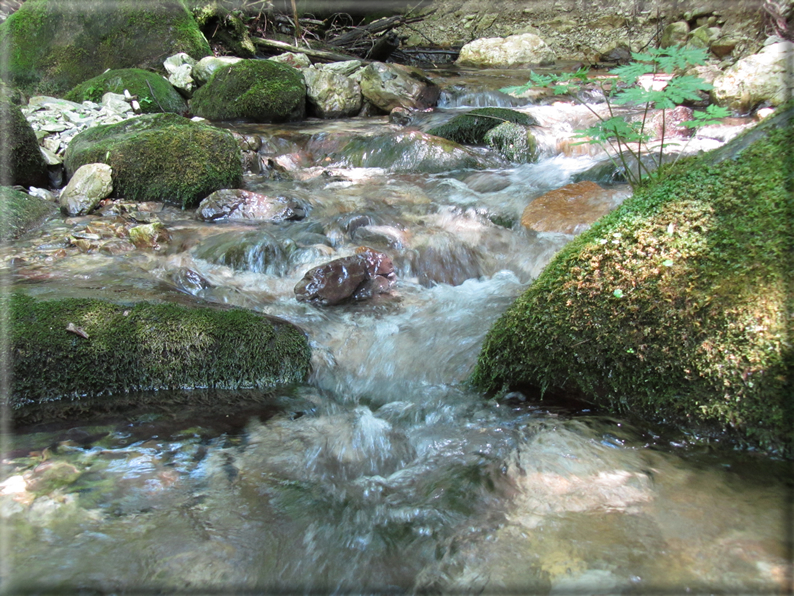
pixel 114 349
pixel 515 141
pixel 470 128
pixel 22 162
pixel 676 305
pixel 53 45
pixel 254 90
pixel 155 93
pixel 160 157
pixel 20 211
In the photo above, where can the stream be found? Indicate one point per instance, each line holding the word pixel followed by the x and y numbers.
pixel 384 472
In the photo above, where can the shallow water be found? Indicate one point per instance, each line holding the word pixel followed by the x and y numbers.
pixel 384 472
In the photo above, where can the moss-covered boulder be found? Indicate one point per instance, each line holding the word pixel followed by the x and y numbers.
pixel 53 45
pixel 76 349
pixel 21 161
pixel 20 211
pixel 160 157
pixel 254 90
pixel 154 92
pixel 470 128
pixel 676 305
pixel 515 141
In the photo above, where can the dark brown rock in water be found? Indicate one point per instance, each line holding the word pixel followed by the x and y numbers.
pixel 671 122
pixel 240 204
pixel 358 277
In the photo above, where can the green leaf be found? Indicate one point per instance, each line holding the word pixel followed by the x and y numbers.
pixel 631 72
pixel 618 293
pixel 712 115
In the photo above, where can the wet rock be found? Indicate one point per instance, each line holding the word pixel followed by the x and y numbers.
pixel 331 95
pixel 756 79
pixel 487 182
pixel 572 208
pixel 237 204
pixel 386 236
pixel 152 92
pixel 149 235
pixel 20 211
pixel 390 85
pixel 90 184
pixel 471 127
pixel 401 116
pixel 513 50
pixel 206 67
pixel 22 161
pixel 671 122
pixel 357 277
pixel 515 141
pixel 444 259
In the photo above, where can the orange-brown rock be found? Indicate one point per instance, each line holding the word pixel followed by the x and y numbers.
pixel 572 208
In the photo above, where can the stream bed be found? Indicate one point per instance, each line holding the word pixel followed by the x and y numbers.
pixel 385 472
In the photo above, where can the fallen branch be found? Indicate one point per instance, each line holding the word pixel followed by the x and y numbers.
pixel 320 55
pixel 384 24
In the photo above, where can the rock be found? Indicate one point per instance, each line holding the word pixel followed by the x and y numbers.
pixel 443 258
pixel 254 90
pixel 401 116
pixel 357 277
pixel 86 42
pixel 331 95
pixel 673 303
pixel 180 73
pixel 151 235
pixel 390 85
pixel 515 141
pixel 147 346
pixel 236 204
pixel 22 161
pixel 154 93
pixel 345 68
pixel 299 61
pixel 759 78
pixel 471 127
pixel 484 182
pixel 675 34
pixel 700 37
pixel 206 67
pixel 161 157
pixel 510 51
pixel 20 212
pixel 572 208
pixel 89 185
pixel 670 122
pixel 723 46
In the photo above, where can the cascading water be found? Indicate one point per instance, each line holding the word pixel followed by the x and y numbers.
pixel 385 472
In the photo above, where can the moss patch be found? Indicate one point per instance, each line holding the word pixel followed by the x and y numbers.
pixel 53 45
pixel 155 93
pixel 675 306
pixel 142 348
pixel 515 141
pixel 161 157
pixel 470 128
pixel 21 161
pixel 20 211
pixel 256 90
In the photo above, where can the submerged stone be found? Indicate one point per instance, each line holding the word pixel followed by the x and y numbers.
pixel 238 204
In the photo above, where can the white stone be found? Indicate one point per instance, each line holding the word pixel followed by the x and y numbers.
pixel 174 63
pixel 204 68
pixel 90 184
pixel 513 50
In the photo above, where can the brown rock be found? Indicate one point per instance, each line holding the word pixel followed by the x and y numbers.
pixel 237 204
pixel 572 208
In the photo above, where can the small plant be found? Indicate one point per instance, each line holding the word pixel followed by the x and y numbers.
pixel 640 84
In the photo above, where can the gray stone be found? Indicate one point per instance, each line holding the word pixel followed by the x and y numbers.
pixel 293 59
pixel 204 68
pixel 390 85
pixel 331 95
pixel 675 34
pixel 237 204
pixel 514 50
pixel 345 68
pixel 90 184
pixel 762 77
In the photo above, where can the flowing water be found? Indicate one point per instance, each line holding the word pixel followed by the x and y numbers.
pixel 385 472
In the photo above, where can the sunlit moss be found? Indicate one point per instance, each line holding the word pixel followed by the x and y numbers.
pixel 19 211
pixel 154 93
pixel 470 128
pixel 674 306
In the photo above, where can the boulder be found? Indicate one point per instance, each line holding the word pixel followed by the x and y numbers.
pixel 140 347
pixel 154 93
pixel 345 68
pixel 23 162
pixel 515 141
pixel 387 86
pixel 150 235
pixel 670 122
pixel 760 78
pixel 237 204
pixel 299 61
pixel 54 45
pixel 506 52
pixel 204 68
pixel 571 209
pixel 254 90
pixel 357 277
pixel 180 73
pixel 674 307
pixel 471 127
pixel 675 34
pixel 20 212
pixel 331 95
pixel 90 184
pixel 160 157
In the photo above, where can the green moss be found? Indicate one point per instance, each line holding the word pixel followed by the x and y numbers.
pixel 470 128
pixel 53 45
pixel 515 141
pixel 160 157
pixel 20 211
pixel 674 306
pixel 144 347
pixel 155 93
pixel 21 161
pixel 257 90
